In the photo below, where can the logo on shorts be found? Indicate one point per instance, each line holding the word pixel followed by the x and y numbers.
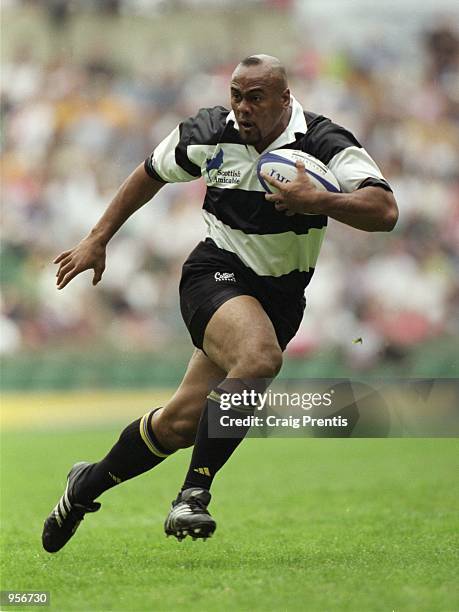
pixel 225 276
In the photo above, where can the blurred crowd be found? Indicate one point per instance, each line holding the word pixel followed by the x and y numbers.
pixel 73 130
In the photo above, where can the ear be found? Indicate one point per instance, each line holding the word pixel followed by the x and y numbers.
pixel 286 98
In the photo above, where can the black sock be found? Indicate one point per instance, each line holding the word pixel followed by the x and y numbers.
pixel 211 453
pixel 136 452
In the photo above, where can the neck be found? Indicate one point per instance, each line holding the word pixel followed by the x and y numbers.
pixel 277 131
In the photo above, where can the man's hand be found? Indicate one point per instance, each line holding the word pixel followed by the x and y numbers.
pixel 138 189
pixel 297 197
pixel 88 254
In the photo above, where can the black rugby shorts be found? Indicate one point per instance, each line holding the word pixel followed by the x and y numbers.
pixel 212 276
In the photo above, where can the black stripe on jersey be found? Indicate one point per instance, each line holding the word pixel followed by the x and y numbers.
pixel 207 127
pixel 181 157
pixel 151 171
pixel 373 182
pixel 250 212
pixel 324 139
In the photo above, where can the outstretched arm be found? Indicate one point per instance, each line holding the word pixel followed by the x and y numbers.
pixel 371 209
pixel 89 254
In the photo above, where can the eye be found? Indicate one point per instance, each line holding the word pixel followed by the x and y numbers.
pixel 236 96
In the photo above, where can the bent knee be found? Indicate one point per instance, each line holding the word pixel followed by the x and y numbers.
pixel 261 361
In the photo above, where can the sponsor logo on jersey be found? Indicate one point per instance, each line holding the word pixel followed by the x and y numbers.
pixel 219 176
pixel 214 163
pixel 225 276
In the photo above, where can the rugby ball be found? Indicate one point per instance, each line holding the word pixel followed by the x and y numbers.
pixel 280 164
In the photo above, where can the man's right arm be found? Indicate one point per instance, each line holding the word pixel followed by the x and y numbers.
pixel 89 254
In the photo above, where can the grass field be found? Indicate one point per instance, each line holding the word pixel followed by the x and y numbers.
pixel 316 525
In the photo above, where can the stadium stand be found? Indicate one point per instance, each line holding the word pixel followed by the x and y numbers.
pixel 75 126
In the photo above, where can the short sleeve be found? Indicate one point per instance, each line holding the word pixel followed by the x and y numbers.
pixel 354 168
pixel 342 153
pixel 169 161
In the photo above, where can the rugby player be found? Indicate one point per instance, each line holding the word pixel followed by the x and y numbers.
pixel 242 288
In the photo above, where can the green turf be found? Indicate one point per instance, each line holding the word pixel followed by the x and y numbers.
pixel 324 525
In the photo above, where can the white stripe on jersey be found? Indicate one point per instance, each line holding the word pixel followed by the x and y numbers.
pixel 352 166
pixel 239 168
pixel 268 254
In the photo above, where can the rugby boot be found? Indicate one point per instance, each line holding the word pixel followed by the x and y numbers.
pixel 68 513
pixel 189 515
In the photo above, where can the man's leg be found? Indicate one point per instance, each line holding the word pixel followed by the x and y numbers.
pixel 142 445
pixel 176 424
pixel 241 340
pixel 150 439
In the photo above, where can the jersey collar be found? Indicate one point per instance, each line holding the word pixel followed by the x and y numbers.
pixel 297 124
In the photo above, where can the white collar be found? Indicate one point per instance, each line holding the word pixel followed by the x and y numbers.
pixel 297 123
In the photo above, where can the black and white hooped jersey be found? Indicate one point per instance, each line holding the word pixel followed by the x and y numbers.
pixel 239 219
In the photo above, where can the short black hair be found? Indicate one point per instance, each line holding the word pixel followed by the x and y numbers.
pixel 251 60
pixel 275 65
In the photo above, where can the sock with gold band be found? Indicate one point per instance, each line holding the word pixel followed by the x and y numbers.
pixel 215 444
pixel 136 452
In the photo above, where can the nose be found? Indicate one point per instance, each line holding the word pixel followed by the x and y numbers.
pixel 244 107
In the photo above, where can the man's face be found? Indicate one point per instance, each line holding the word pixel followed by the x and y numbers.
pixel 260 103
